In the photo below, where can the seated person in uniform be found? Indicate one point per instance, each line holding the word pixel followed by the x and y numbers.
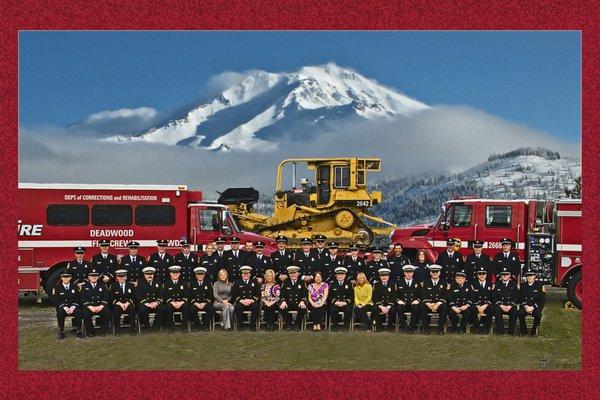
pixel 149 299
pixel 200 297
pixel 269 298
pixel 384 300
pixel 95 298
pixel 293 298
pixel 434 298
pixel 459 302
pixel 481 302
pixel 363 301
pixel 245 295
pixel 67 304
pixel 506 296
pixel 122 295
pixel 317 299
pixel 341 296
pixel 532 296
pixel 175 298
pixel 408 292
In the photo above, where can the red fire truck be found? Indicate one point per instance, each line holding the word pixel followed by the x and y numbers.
pixel 547 235
pixel 53 218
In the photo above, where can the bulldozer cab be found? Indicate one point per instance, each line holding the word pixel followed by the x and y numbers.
pixel 336 180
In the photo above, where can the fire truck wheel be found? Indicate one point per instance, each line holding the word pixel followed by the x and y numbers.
pixel 574 290
pixel 52 280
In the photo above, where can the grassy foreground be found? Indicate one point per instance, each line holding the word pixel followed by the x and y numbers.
pixel 557 347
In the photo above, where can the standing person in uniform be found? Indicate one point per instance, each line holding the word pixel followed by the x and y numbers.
pixel 245 294
pixel 341 297
pixel 320 247
pixel 408 299
pixel 307 260
pixel 363 301
pixel 331 262
pixel 294 297
pixel 372 267
pixel 220 242
pixel 259 262
pixel 200 298
pixel 384 300
pixel 318 292
pixel 269 299
pixel 532 296
pixel 282 258
pixel 478 261
pixel 507 259
pixel 95 298
pixel 396 261
pixel 450 260
pixel 459 302
pixel 223 302
pixel 67 304
pixel 149 299
pixel 481 302
pixel 105 262
pixel 434 299
pixel 421 266
pixel 133 263
pixel 175 292
pixel 161 261
pixel 187 261
pixel 354 263
pixel 210 261
pixel 78 268
pixel 506 297
pixel 234 259
pixel 122 296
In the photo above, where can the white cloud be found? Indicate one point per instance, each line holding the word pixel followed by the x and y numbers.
pixel 144 113
pixel 124 121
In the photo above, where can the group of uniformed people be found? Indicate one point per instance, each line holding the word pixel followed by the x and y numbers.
pixel 316 278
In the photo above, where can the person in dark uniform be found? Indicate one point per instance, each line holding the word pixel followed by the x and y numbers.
pixel 175 292
pixel 450 260
pixel 161 261
pixel 354 263
pixel 532 296
pixel 233 259
pixel 478 261
pixel 122 299
pixel 282 258
pixel 201 297
pixel 341 297
pixel 105 262
pixel 507 259
pixel 481 302
pixel 373 266
pixel 245 294
pixel 133 263
pixel 95 299
pixel 459 302
pixel 434 299
pixel 220 252
pixel 66 301
pixel 259 262
pixel 320 247
pixel 384 300
pixel 149 299
pixel 78 268
pixel 408 299
pixel 331 262
pixel 293 297
pixel 307 260
pixel 421 265
pixel 187 261
pixel 210 261
pixel 505 297
pixel 396 261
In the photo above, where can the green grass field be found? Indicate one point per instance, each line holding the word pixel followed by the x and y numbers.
pixel 558 347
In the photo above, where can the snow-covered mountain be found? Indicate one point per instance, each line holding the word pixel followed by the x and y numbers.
pixel 520 174
pixel 259 109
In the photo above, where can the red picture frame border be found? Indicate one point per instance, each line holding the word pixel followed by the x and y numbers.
pixel 297 15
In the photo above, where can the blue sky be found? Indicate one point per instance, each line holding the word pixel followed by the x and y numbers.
pixel 532 78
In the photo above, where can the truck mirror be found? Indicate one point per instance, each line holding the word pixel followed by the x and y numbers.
pixel 444 226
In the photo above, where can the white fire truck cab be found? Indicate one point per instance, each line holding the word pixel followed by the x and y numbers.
pixel 54 218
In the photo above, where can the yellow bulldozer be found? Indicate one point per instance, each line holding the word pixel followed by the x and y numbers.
pixel 336 205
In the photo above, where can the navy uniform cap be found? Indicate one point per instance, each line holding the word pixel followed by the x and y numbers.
pixel 333 245
pixel 320 238
pixel 461 272
pixel 353 247
pixel 235 239
pixel 530 272
pixel 281 239
pixel 450 242
pixel 478 243
pixel 220 240
pixel 133 245
pixel 505 271
pixel 184 242
pixel 377 251
pixel 104 242
pixel 306 241
pixel 65 274
pixel 79 249
pixel 481 270
pixel 259 245
pixel 161 242
pixel 93 271
pixel 506 241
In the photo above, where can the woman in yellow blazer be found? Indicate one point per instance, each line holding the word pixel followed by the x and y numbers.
pixel 363 292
